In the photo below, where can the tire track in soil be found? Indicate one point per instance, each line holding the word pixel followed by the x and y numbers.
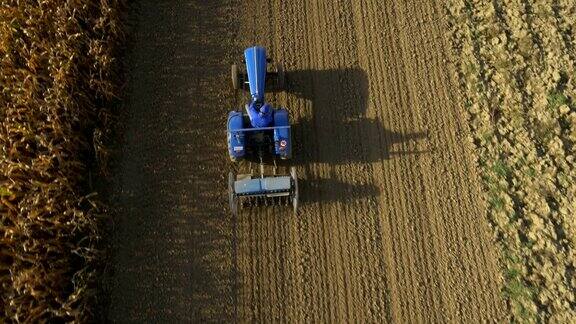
pixel 391 227
pixel 173 241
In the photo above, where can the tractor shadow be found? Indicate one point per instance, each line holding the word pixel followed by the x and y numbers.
pixel 358 148
pixel 336 129
pixel 333 128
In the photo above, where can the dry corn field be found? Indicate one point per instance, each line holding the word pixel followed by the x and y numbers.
pixel 516 65
pixel 57 78
pixel 435 151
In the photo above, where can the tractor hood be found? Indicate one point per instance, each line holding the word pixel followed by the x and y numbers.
pixel 256 69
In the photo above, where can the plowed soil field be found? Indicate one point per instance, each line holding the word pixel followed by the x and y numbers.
pixel 392 225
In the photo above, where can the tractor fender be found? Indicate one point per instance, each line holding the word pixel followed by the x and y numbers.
pixel 282 136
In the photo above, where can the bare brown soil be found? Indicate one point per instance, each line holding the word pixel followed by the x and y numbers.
pixel 392 224
pixel 172 244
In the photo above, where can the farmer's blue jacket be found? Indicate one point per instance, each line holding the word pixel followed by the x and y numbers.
pixel 262 118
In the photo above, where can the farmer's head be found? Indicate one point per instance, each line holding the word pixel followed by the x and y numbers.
pixel 265 110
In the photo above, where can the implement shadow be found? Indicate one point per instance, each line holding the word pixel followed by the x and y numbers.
pixel 353 191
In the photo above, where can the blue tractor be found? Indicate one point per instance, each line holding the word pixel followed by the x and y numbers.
pixel 260 134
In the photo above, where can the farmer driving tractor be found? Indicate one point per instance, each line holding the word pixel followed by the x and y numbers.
pixel 260 117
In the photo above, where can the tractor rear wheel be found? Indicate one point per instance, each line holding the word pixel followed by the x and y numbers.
pixel 234 72
pixel 280 81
